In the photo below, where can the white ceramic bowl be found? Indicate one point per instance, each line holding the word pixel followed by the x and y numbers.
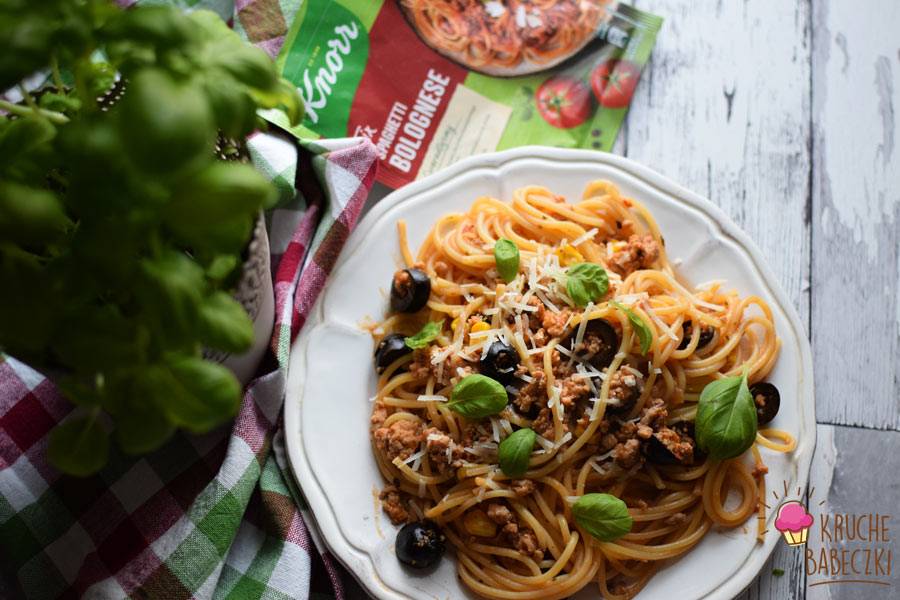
pixel 331 378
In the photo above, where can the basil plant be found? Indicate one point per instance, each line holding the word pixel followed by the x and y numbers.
pixel 120 233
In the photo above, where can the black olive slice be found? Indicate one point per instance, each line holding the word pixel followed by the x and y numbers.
pixel 599 345
pixel 706 335
pixel 657 451
pixel 420 544
pixel 410 289
pixel 500 362
pixel 390 348
pixel 767 401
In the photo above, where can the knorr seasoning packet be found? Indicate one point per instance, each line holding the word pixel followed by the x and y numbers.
pixel 433 81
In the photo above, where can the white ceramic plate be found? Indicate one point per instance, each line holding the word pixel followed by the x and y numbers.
pixel 331 377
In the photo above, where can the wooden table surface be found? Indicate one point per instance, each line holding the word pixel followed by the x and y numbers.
pixel 785 114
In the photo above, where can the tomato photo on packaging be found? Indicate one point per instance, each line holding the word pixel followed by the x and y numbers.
pixel 563 101
pixel 613 82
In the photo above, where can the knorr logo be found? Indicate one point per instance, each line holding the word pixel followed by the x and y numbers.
pixel 317 88
pixel 325 58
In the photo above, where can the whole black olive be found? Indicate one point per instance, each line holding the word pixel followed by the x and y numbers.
pixel 500 362
pixel 767 401
pixel 409 290
pixel 390 348
pixel 706 335
pixel 420 544
pixel 599 345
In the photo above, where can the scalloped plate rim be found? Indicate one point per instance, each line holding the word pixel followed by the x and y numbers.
pixel 358 562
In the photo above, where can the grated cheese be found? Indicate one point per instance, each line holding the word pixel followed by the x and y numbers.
pixel 543 297
pixel 584 237
pixel 431 398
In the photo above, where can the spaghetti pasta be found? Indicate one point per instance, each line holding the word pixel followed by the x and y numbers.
pixel 482 34
pixel 609 417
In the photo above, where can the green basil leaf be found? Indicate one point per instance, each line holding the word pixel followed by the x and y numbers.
pixel 477 396
pixel 515 452
pixel 426 335
pixel 79 446
pixel 224 324
pixel 506 253
pixel 726 418
pixel 201 394
pixel 603 516
pixel 142 430
pixel 586 282
pixel 645 337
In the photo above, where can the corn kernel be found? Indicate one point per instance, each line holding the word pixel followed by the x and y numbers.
pixel 478 523
pixel 479 326
pixel 569 255
pixel 454 324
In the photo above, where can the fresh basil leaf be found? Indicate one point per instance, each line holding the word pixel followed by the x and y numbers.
pixel 78 446
pixel 201 394
pixel 506 253
pixel 224 324
pixel 586 282
pixel 603 516
pixel 477 396
pixel 142 429
pixel 515 452
pixel 645 337
pixel 30 215
pixel 425 336
pixel 726 418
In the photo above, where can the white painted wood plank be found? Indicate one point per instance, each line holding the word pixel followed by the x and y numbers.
pixel 846 482
pixel 724 109
pixel 856 216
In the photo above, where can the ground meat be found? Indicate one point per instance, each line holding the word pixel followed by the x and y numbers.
pixel 655 415
pixel 441 269
pixel 438 443
pixel 555 323
pixel 393 504
pixel 543 424
pixel 422 366
pixel 499 513
pixel 573 390
pixel 401 439
pixel 540 338
pixel 522 487
pixel 523 540
pixel 526 543
pixel 402 279
pixel 561 368
pixel 624 390
pixel 536 317
pixel 379 414
pixel 470 235
pixel 532 394
pixel 608 442
pixel 640 252
pixel 681 447
pixel 676 519
pixel 628 454
pixel 475 432
pixel 644 432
